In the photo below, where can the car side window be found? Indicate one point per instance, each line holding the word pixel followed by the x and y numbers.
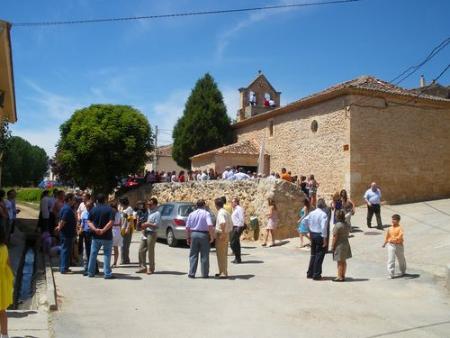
pixel 167 210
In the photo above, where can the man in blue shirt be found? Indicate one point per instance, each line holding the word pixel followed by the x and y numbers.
pixel 200 235
pixel 67 229
pixel 101 219
pixel 87 234
pixel 373 201
pixel 148 239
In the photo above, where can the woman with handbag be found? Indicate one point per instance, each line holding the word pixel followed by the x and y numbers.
pixel 348 206
pixel 127 228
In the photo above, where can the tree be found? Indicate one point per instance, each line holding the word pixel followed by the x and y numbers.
pixel 24 164
pixel 102 142
pixel 5 134
pixel 204 125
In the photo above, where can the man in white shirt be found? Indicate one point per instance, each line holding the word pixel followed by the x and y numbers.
pixel 45 210
pixel 241 175
pixel 81 209
pixel 226 173
pixel 373 201
pixel 204 176
pixel 237 217
pixel 224 226
pixel 316 221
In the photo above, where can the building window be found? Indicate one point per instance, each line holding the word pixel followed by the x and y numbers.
pixel 314 126
pixel 271 128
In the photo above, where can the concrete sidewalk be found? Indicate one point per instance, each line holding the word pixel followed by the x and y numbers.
pixel 269 295
pixel 25 323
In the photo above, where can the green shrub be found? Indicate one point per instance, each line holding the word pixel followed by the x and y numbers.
pixel 30 194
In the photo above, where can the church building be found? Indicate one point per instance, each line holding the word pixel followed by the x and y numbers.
pixel 347 135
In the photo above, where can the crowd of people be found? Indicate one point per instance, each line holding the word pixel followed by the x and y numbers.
pixel 77 226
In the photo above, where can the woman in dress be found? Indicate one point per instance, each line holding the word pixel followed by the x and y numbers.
pixel 272 222
pixel 303 230
pixel 6 284
pixel 117 236
pixel 348 206
pixel 340 245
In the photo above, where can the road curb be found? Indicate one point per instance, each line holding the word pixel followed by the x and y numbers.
pixel 448 278
pixel 51 287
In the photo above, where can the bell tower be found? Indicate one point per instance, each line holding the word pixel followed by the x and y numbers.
pixel 258 97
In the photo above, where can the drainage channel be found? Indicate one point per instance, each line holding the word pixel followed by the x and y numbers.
pixel 27 274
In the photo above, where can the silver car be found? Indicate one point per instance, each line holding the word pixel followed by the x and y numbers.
pixel 173 221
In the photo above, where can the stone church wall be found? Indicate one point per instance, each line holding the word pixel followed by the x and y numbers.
pixel 405 149
pixel 300 150
pixel 253 195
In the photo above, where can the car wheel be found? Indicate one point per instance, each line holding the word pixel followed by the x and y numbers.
pixel 171 240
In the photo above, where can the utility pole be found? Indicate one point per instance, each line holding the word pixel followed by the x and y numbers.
pixel 155 158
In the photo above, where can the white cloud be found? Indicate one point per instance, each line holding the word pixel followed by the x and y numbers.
pixel 56 106
pixel 225 37
pixel 166 114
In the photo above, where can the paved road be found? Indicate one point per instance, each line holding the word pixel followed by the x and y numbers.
pixel 269 296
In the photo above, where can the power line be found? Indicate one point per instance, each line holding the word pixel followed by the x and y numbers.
pixel 422 90
pixel 182 14
pixel 412 69
pixel 442 73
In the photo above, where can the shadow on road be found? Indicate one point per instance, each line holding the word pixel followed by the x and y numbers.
pixel 372 233
pixel 408 276
pixel 126 276
pixel 246 277
pixel 20 314
pixel 281 243
pixel 350 279
pixel 175 273
pixel 252 261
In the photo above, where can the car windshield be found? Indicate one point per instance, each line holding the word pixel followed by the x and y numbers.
pixel 185 210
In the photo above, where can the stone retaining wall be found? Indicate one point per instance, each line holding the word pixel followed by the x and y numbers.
pixel 252 194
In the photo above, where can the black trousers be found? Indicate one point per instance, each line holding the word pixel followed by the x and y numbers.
pixel 317 256
pixel 374 209
pixel 235 242
pixel 87 239
pixel 80 243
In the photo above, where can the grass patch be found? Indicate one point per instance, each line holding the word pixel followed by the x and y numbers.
pixel 31 195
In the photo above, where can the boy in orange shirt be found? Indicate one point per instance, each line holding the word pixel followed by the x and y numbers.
pixel 394 241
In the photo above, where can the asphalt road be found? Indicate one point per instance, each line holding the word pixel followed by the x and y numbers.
pixel 269 295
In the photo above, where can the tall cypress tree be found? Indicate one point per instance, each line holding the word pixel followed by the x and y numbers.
pixel 204 125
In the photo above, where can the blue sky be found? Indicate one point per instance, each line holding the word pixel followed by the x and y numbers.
pixel 152 65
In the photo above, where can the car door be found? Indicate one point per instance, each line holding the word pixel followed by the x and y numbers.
pixel 166 219
pixel 161 232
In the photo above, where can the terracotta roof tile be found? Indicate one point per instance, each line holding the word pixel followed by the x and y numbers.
pixel 240 148
pixel 373 84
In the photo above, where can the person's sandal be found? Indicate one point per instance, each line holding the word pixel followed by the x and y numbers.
pixel 264 244
pixel 338 280
pixel 144 270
